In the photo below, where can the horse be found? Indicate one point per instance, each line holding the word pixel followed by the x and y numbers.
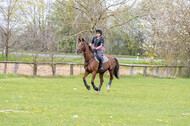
pixel 91 65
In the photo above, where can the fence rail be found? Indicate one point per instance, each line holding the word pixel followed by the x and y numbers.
pixel 132 66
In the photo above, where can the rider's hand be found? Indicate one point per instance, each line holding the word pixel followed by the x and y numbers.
pixel 94 50
pixel 90 44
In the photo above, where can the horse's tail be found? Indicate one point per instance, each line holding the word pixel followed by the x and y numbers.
pixel 116 69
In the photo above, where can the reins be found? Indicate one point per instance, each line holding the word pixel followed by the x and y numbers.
pixel 90 59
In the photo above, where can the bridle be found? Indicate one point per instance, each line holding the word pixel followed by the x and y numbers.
pixel 83 48
pixel 90 59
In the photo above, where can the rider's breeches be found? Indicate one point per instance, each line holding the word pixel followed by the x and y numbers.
pixel 100 54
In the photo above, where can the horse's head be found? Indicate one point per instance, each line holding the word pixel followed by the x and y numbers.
pixel 81 46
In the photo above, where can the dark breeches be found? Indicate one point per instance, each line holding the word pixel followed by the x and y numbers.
pixel 99 54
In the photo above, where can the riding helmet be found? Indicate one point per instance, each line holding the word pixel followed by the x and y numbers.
pixel 99 31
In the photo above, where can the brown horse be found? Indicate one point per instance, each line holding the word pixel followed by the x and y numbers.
pixel 92 66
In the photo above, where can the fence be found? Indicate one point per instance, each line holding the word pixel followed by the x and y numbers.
pixel 48 69
pixel 168 69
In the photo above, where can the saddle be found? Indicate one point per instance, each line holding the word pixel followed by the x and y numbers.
pixel 105 59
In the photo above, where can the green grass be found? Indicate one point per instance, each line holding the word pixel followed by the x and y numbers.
pixel 132 101
pixel 24 58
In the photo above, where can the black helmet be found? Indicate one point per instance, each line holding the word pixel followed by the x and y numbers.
pixel 99 31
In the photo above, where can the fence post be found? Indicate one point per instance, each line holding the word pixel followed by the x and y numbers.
pixel 15 68
pixel 35 69
pixel 157 71
pixel 71 69
pixel 131 70
pixel 145 71
pixel 180 71
pixel 5 68
pixel 167 71
pixel 54 69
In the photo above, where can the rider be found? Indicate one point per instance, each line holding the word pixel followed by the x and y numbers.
pixel 98 42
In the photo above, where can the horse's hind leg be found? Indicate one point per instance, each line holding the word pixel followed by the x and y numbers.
pixel 111 78
pixel 101 82
pixel 84 77
pixel 92 81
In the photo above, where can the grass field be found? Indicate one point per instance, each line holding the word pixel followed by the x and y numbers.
pixel 25 58
pixel 133 101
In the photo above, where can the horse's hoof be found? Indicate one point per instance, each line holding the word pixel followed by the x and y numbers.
pixel 88 87
pixel 108 88
pixel 97 92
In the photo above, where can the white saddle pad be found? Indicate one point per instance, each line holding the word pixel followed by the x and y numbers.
pixel 105 59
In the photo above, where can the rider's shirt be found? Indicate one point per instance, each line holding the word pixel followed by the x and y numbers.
pixel 98 42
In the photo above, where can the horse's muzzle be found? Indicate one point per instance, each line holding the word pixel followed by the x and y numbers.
pixel 78 51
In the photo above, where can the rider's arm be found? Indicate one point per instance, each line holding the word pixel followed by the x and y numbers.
pixel 92 42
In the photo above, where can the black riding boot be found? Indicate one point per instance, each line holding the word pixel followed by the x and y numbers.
pixel 101 64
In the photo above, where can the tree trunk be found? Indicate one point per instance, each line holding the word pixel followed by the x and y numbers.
pixel 3 52
pixel 35 68
pixel 6 55
pixel 188 71
pixel 53 66
pixel 7 34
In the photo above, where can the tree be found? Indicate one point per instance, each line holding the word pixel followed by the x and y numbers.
pixel 127 38
pixel 52 45
pixel 35 19
pixel 168 30
pixel 9 25
pixel 84 17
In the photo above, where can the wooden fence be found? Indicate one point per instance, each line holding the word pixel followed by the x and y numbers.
pixel 132 66
pixel 168 68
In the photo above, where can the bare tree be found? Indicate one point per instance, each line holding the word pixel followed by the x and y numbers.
pixel 9 24
pixel 94 14
pixel 35 21
pixel 2 40
pixel 52 45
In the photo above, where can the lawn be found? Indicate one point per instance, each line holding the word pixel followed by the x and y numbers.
pixel 24 58
pixel 132 101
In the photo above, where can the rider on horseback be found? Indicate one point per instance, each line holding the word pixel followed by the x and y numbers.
pixel 98 42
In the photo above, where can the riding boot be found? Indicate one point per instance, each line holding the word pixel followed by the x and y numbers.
pixel 101 64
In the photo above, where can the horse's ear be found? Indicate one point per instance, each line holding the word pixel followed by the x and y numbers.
pixel 79 40
pixel 82 39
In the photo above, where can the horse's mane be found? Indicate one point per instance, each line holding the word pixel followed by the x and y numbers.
pixel 89 47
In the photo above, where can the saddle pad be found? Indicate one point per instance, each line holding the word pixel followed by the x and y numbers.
pixel 105 59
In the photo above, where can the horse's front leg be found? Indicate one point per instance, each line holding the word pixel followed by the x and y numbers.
pixel 84 80
pixel 92 81
pixel 101 82
pixel 111 78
